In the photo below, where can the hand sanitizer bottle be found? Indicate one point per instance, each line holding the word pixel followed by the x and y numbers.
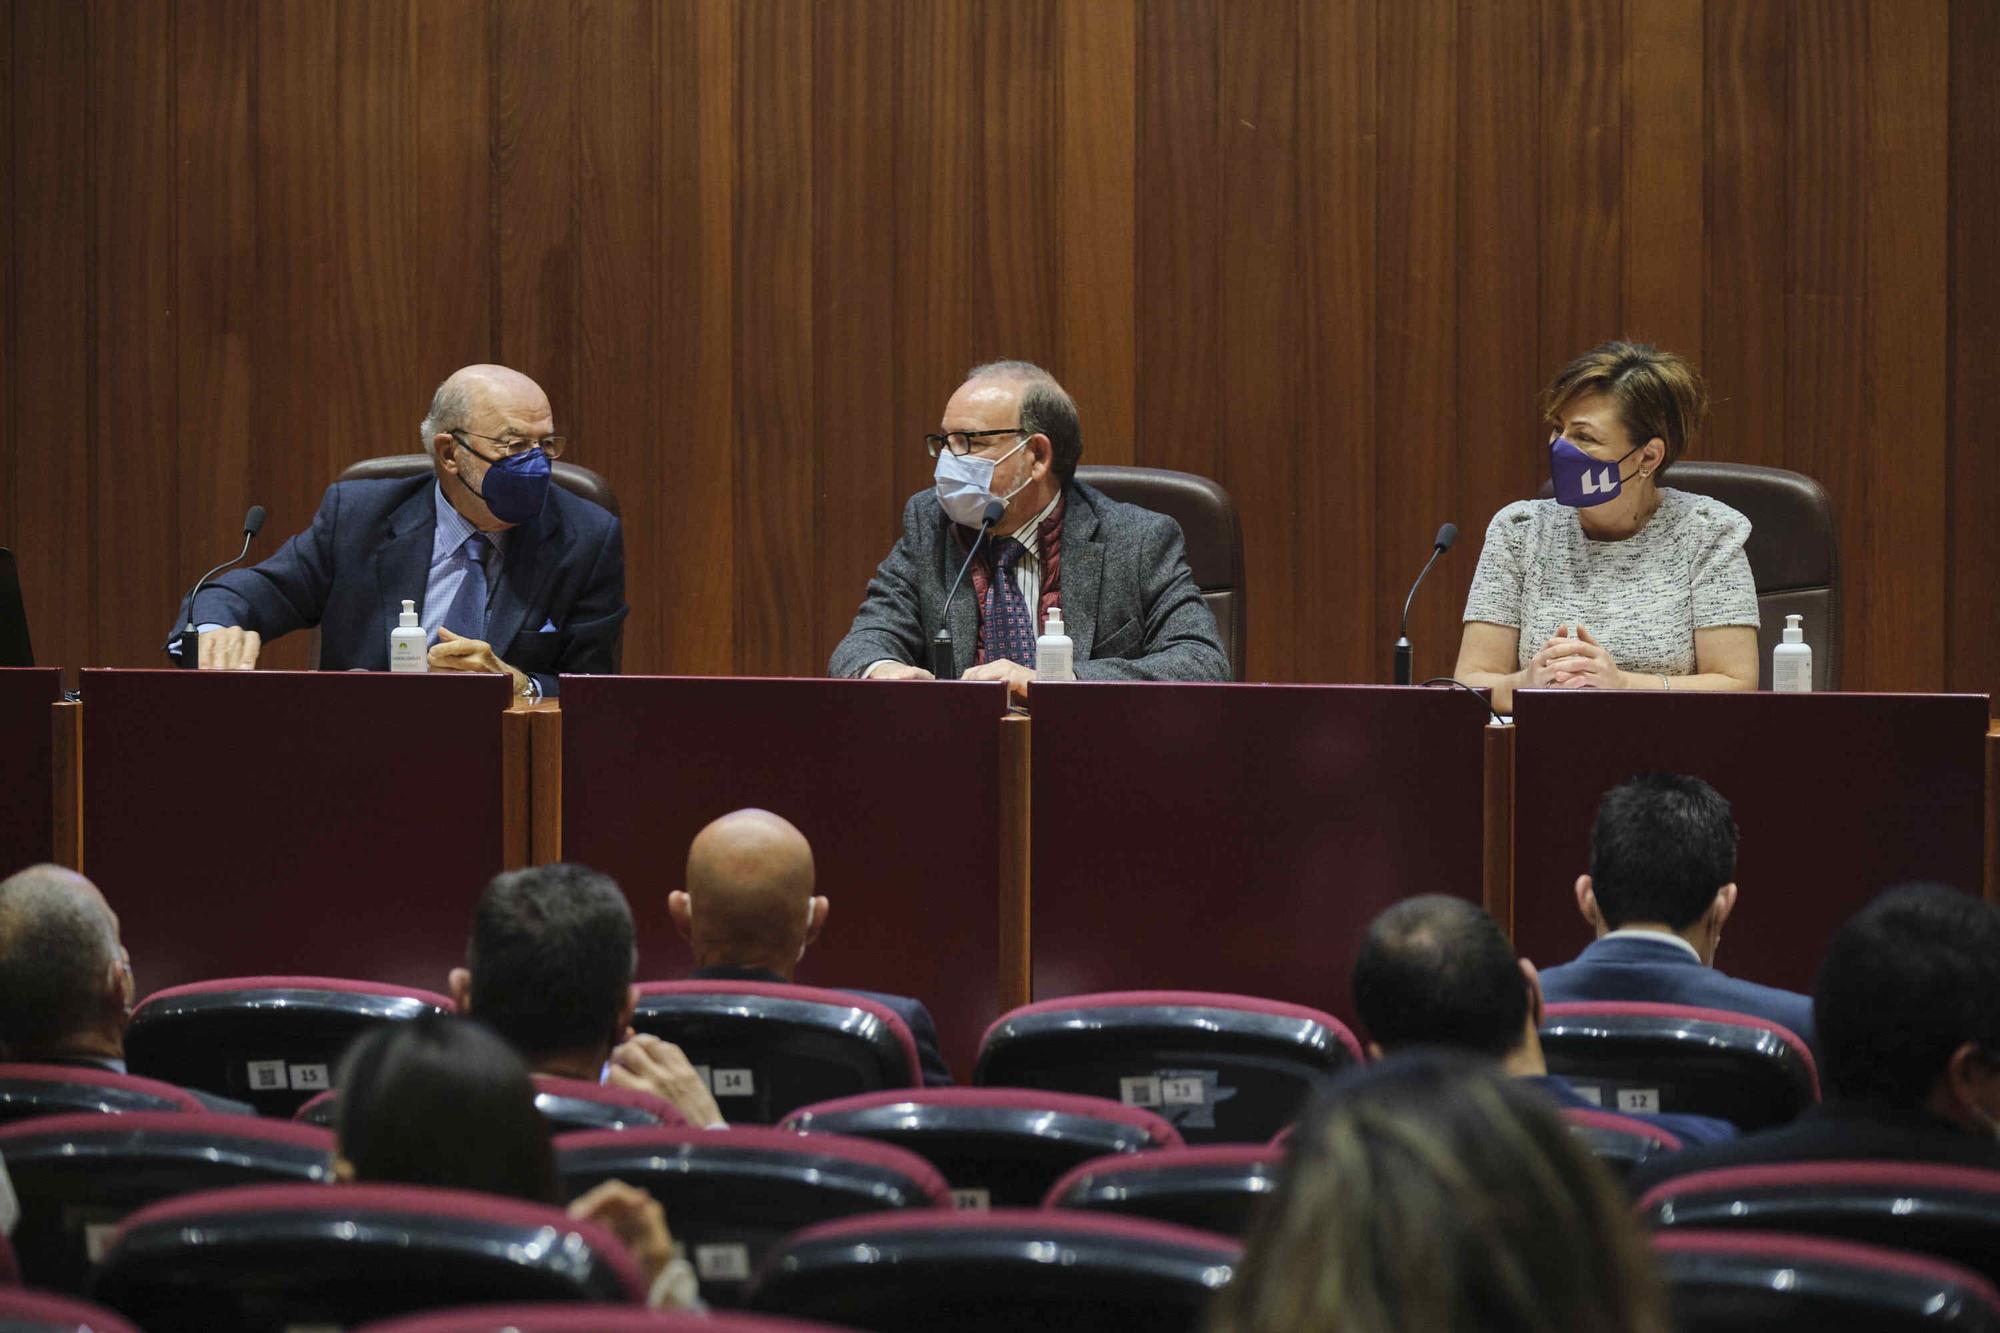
pixel 1054 653
pixel 406 642
pixel 1791 661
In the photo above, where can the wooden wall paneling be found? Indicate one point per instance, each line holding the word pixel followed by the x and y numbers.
pixel 1582 177
pixel 1097 88
pixel 1416 325
pixel 452 241
pixel 135 390
pixel 1013 304
pixel 1826 389
pixel 220 311
pixel 49 327
pixel 1746 76
pixel 1897 594
pixel 1972 625
pixel 1664 161
pixel 934 342
pixel 536 92
pixel 853 303
pixel 1261 353
pixel 1180 415
pixel 1498 446
pixel 1335 433
pixel 9 490
pixel 777 528
pixel 616 412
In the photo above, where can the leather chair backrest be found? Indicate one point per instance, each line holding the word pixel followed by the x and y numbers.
pixel 1728 1282
pixel 1636 1056
pixel 1218 1188
pixel 1208 525
pixel 1794 552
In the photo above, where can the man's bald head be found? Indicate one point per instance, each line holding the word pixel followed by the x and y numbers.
pixel 60 960
pixel 749 897
pixel 471 393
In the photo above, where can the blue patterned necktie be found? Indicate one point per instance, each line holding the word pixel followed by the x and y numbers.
pixel 467 613
pixel 1010 622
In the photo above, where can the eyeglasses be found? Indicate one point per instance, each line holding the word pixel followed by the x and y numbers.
pixel 960 441
pixel 514 444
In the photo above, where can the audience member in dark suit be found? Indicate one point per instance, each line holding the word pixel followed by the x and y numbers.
pixel 510 574
pixel 549 967
pixel 1436 971
pixel 1130 605
pixel 749 912
pixel 66 988
pixel 1908 1004
pixel 1662 882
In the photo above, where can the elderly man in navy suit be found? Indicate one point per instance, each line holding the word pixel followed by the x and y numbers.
pixel 1662 882
pixel 509 573
pixel 749 911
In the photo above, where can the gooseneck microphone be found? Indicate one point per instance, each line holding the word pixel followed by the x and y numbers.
pixel 253 522
pixel 1446 536
pixel 942 665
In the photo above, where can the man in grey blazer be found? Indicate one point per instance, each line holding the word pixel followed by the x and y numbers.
pixel 1118 572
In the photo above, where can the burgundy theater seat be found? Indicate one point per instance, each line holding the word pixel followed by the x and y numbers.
pixel 23 1311
pixel 731 1195
pixel 569 1104
pixel 588 1319
pixel 997 1146
pixel 1679 1058
pixel 1217 1188
pixel 33 1090
pixel 1619 1141
pixel 271 1041
pixel 77 1175
pixel 1949 1212
pixel 767 1049
pixel 266 1257
pixel 1011 1270
pixel 1729 1282
pixel 1221 1068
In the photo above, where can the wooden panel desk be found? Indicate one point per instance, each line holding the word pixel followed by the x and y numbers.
pixel 339 824
pixel 27 811
pixel 897 786
pixel 1241 837
pixel 1838 796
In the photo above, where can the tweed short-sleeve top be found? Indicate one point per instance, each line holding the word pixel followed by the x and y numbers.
pixel 1642 597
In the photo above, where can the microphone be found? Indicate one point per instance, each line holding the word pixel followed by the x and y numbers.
pixel 253 522
pixel 1446 536
pixel 942 665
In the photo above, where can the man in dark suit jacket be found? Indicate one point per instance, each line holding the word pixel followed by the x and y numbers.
pixel 509 573
pixel 66 988
pixel 1908 1009
pixel 1118 572
pixel 749 912
pixel 1662 882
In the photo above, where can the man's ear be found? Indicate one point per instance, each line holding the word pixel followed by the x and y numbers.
pixel 446 447
pixel 460 984
pixel 343 1171
pixel 681 908
pixel 1534 983
pixel 1586 905
pixel 1374 1050
pixel 1044 452
pixel 625 1014
pixel 816 917
pixel 1724 904
pixel 1970 1078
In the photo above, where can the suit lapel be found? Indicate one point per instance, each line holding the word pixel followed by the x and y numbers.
pixel 403 566
pixel 533 550
pixel 1082 573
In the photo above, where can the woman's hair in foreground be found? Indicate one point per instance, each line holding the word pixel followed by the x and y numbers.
pixel 442 1101
pixel 1432 1192
pixel 1657 393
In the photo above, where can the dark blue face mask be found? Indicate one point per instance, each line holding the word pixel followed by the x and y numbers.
pixel 514 487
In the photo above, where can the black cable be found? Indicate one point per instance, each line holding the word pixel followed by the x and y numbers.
pixel 1452 680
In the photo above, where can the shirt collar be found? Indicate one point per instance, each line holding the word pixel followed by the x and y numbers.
pixel 1658 935
pixel 453 528
pixel 1030 533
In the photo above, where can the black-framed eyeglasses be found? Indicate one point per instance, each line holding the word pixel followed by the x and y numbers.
pixel 960 441
pixel 510 445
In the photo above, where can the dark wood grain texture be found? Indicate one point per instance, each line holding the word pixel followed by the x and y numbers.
pixel 1972 626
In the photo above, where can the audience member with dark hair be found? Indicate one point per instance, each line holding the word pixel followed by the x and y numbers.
pixel 1662 883
pixel 66 986
pixel 749 912
pixel 1437 971
pixel 1908 1004
pixel 550 966
pixel 1430 1192
pixel 442 1102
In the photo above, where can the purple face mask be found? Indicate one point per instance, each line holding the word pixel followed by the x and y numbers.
pixel 1582 481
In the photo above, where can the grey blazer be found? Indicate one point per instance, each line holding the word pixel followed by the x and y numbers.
pixel 1128 601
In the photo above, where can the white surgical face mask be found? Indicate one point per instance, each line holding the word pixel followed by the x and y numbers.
pixel 965 483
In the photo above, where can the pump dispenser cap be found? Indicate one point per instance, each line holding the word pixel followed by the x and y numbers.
pixel 1794 634
pixel 1054 622
pixel 408 620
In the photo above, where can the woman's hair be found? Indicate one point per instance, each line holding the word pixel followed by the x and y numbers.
pixel 1657 393
pixel 442 1101
pixel 1432 1192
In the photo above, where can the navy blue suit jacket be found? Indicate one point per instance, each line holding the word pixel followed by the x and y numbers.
pixel 1835 1131
pixel 557 605
pixel 1691 1130
pixel 1661 972
pixel 913 1013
